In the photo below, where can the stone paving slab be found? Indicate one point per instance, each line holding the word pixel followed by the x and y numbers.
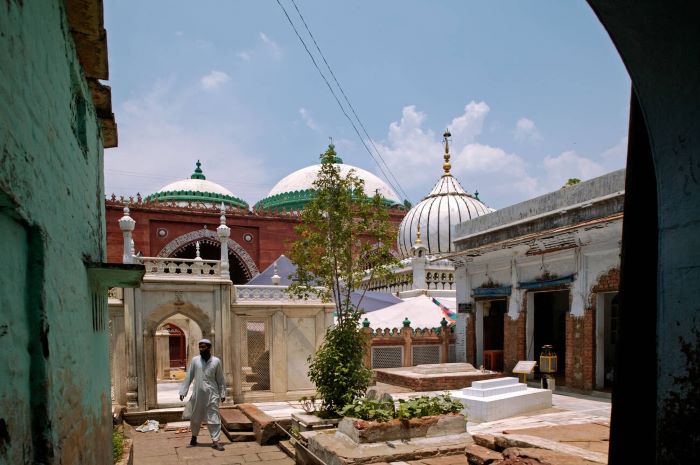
pixel 172 448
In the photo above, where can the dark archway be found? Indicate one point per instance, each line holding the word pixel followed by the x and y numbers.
pixel 655 421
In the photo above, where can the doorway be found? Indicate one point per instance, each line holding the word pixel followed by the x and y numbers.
pixel 550 309
pixel 175 345
pixel 607 325
pixel 494 312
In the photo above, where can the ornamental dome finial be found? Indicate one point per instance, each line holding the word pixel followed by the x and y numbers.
pixel 198 174
pixel 418 240
pixel 446 166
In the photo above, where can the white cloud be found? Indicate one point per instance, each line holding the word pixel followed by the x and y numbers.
pixel 306 116
pixel 214 80
pixel 245 56
pixel 468 126
pixel 275 49
pixel 159 143
pixel 414 154
pixel 616 156
pixel 568 165
pixel 525 130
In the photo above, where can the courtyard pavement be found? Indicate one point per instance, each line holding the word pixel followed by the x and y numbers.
pixel 172 447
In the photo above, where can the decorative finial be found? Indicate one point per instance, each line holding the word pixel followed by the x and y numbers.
pixel 418 240
pixel 446 166
pixel 476 195
pixel 222 218
pixel 275 277
pixel 365 323
pixel 198 174
pixel 197 257
pixel 406 322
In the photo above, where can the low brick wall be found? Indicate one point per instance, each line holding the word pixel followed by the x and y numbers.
pixel 432 383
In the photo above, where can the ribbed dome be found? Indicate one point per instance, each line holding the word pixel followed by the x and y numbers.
pixel 296 189
pixel 197 189
pixel 447 205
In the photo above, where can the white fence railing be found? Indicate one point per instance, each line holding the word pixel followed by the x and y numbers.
pixel 175 268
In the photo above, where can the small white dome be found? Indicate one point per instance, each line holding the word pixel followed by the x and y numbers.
pixel 196 185
pixel 447 205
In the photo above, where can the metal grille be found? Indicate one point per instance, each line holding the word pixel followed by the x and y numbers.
pixel 452 353
pixel 423 355
pixel 387 357
pixel 256 360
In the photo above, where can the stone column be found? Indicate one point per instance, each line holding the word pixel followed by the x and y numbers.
pixel 227 338
pixel 445 334
pixel 127 225
pixel 278 355
pixel 367 333
pixel 407 335
pixel 479 333
pixel 224 232
pixel 463 294
pixel 162 354
pixel 130 350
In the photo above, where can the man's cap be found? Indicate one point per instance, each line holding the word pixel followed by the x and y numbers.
pixel 204 341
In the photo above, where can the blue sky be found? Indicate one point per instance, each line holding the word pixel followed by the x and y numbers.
pixel 533 92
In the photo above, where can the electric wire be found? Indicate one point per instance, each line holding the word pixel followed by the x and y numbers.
pixel 335 96
pixel 347 100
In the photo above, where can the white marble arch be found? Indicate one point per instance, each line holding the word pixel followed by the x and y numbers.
pixel 251 269
pixel 207 304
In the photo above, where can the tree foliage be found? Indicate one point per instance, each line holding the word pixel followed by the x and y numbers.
pixel 343 237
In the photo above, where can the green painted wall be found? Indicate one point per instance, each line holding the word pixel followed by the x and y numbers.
pixel 54 389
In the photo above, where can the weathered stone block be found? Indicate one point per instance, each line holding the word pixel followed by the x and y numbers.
pixel 361 431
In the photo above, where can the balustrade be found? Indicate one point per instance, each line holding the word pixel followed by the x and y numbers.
pixel 181 267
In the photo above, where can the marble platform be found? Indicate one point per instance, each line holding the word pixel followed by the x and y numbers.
pixel 498 398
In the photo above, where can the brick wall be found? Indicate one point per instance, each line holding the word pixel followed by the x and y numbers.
pixel 513 340
pixel 471 339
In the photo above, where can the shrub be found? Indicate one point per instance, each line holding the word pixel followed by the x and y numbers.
pixel 369 409
pixel 424 406
pixel 337 367
pixel 117 445
pixel 384 410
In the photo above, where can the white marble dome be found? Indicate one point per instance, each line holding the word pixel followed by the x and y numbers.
pixel 196 189
pixel 296 189
pixel 447 205
pixel 304 178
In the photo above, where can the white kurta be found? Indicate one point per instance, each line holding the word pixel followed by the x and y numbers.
pixel 209 388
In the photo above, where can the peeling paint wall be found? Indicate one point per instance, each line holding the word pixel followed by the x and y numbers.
pixel 54 398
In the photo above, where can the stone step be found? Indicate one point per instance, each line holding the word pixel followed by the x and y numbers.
pixel 496 382
pixel 493 391
pixel 235 420
pixel 288 448
pixel 242 436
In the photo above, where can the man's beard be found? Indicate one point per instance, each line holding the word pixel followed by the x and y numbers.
pixel 205 354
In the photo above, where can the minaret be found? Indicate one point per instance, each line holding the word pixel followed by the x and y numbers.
pixel 127 225
pixel 418 262
pixel 224 232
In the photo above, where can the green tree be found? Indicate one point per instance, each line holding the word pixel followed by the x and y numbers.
pixel 571 182
pixel 343 237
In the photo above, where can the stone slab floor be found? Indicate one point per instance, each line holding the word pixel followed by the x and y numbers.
pixel 172 448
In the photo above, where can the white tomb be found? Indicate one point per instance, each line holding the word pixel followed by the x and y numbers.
pixel 494 399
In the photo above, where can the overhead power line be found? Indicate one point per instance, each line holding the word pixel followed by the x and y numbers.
pixel 395 184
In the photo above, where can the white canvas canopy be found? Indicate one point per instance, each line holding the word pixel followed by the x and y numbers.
pixel 422 311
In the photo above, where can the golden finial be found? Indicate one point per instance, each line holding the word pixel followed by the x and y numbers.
pixel 446 166
pixel 418 241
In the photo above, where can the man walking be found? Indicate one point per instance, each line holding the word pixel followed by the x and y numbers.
pixel 209 389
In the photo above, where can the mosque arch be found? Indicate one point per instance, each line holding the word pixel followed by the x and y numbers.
pixel 155 319
pixel 248 266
